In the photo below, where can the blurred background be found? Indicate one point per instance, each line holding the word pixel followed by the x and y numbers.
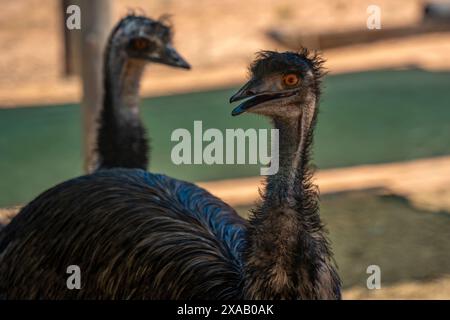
pixel 382 143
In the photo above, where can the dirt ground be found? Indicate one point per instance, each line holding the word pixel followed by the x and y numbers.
pixel 437 289
pixel 215 36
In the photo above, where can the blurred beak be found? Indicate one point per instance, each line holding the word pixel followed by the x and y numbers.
pixel 172 58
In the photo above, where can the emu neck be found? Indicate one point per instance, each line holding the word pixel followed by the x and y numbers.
pixel 287 255
pixel 281 186
pixel 122 84
pixel 122 141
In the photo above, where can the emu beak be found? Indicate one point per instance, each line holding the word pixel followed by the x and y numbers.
pixel 172 58
pixel 259 92
pixel 248 90
pixel 243 92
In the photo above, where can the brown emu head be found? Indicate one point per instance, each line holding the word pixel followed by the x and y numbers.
pixel 281 84
pixel 143 38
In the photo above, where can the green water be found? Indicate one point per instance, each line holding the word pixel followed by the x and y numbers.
pixel 369 117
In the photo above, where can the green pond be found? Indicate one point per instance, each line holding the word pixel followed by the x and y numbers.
pixel 368 117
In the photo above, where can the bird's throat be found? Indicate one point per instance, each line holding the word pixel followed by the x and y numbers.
pixel 121 139
pixel 124 79
pixel 281 186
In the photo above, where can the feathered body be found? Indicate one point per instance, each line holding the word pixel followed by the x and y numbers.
pixel 134 235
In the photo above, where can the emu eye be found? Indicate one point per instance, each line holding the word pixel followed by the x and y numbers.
pixel 290 79
pixel 140 44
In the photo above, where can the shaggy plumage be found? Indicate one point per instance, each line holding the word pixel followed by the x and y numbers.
pixel 134 235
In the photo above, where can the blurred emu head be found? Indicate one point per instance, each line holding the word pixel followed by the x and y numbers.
pixel 142 38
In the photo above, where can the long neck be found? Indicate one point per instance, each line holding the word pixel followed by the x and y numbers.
pixel 287 254
pixel 121 138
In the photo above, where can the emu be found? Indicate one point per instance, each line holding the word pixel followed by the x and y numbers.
pixel 133 43
pixel 139 235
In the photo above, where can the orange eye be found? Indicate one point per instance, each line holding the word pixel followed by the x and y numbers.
pixel 290 79
pixel 140 44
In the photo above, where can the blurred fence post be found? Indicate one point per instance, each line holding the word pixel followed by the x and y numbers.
pixel 95 27
pixel 71 39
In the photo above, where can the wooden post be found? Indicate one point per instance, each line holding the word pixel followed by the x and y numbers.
pixel 68 57
pixel 95 28
pixel 71 39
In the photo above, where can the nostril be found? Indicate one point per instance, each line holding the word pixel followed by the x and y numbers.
pixel 250 93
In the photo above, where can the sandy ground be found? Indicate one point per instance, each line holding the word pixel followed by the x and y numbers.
pixel 437 289
pixel 215 36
